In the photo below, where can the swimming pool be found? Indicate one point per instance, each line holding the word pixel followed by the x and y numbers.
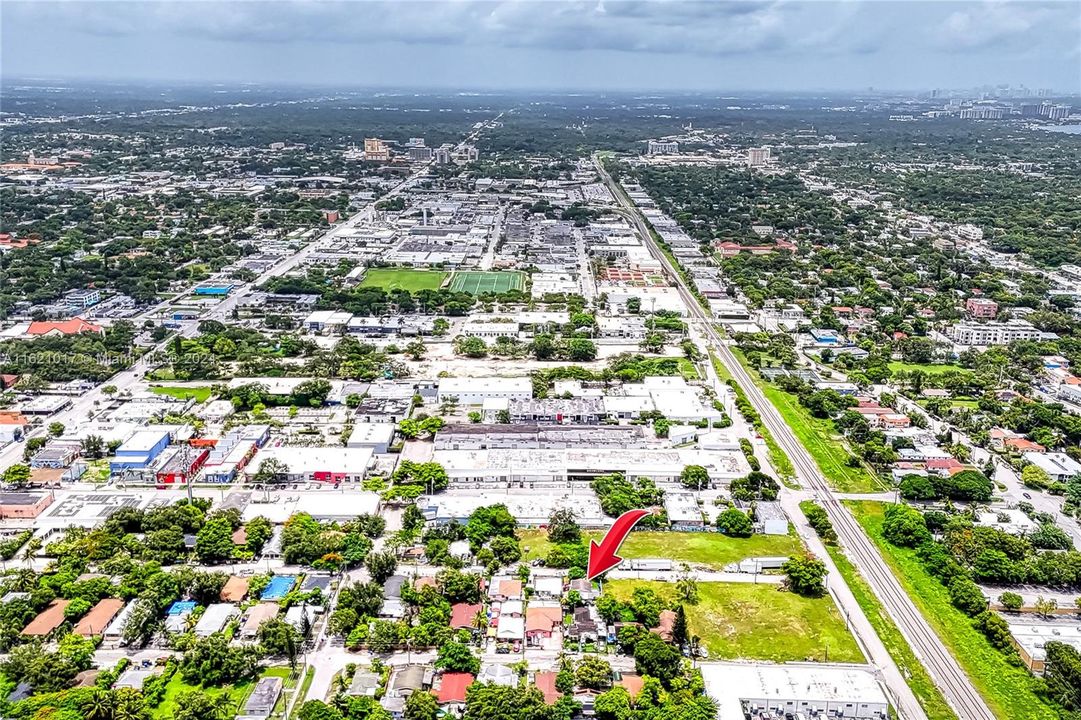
pixel 279 587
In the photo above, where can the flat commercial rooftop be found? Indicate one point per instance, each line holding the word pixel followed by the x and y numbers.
pixel 89 509
pixel 532 508
pixel 1033 636
pixel 313 460
pixel 533 462
pixel 325 505
pixel 730 684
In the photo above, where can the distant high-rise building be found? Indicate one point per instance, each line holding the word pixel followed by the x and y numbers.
pixel 1030 110
pixel 662 147
pixel 419 153
pixel 758 156
pixel 982 113
pixel 376 150
pixel 415 142
pixel 442 155
pixel 467 154
pixel 1059 112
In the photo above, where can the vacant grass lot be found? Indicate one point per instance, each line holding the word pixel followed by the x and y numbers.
pixel 759 622
pixel 1008 690
pixel 403 279
pixel 199 394
pixel 928 368
pixel 711 549
pixel 825 447
pixel 238 694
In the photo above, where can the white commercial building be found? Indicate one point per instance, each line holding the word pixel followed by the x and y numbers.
pixel 845 691
pixel 310 464
pixel 1060 467
pixel 376 436
pixel 522 467
pixel 474 391
pixel 529 509
pixel 995 333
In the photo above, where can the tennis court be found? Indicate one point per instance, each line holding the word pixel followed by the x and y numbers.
pixel 478 283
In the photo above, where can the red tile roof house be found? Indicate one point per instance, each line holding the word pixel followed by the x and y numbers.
pixel 540 622
pixel 546 683
pixel 944 466
pixel 666 625
pixel 453 688
pixel 632 683
pixel 463 614
pixel 75 326
pixel 507 590
pixel 1020 444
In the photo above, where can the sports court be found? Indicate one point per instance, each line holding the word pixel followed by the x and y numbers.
pixel 479 282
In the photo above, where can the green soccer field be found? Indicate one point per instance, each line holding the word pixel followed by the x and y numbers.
pixel 478 283
pixel 403 279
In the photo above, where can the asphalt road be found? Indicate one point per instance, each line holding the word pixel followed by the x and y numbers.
pixel 942 666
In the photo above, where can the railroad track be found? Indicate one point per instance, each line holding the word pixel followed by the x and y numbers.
pixel 944 669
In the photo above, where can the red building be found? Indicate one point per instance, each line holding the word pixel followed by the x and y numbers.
pixel 179 468
pixel 981 308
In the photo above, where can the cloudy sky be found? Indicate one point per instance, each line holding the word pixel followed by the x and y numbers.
pixel 558 44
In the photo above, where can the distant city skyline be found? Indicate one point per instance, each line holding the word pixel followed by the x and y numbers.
pixel 572 45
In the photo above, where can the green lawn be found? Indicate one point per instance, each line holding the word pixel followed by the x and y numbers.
pixel 825 447
pixel 176 686
pixel 923 687
pixel 687 369
pixel 199 393
pixel 760 622
pixel 955 402
pixel 303 692
pixel 1008 690
pixel 700 548
pixel 930 369
pixel 97 471
pixel 403 279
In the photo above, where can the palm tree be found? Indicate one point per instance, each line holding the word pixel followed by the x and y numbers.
pixel 99 706
pixel 480 621
pixel 222 707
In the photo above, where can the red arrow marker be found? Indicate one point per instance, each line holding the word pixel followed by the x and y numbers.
pixel 603 558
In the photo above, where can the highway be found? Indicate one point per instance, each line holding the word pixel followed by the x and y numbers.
pixel 942 666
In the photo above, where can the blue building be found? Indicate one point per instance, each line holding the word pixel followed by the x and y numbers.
pixel 214 288
pixel 826 336
pixel 140 450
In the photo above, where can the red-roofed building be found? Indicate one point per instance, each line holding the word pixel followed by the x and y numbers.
pixel 1020 444
pixel 8 381
pixel 943 466
pixel 632 683
pixel 731 249
pixel 462 615
pixel 453 688
pixel 665 625
pixel 540 622
pixel 74 326
pixel 546 683
pixel 12 425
